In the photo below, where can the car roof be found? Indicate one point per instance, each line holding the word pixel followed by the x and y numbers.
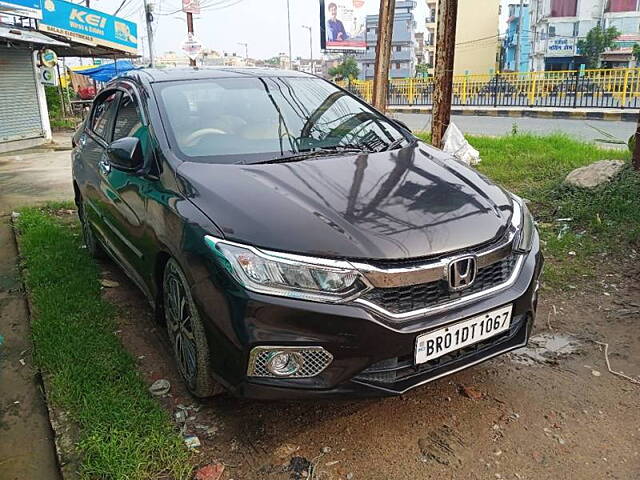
pixel 153 75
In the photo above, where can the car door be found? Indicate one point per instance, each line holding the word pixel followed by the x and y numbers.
pixel 89 158
pixel 126 193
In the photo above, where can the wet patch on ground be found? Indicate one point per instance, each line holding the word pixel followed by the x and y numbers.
pixel 547 347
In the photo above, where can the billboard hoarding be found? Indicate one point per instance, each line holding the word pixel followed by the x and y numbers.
pixel 21 8
pixel 342 25
pixel 88 26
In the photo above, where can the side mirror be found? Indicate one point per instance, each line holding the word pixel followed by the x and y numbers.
pixel 125 154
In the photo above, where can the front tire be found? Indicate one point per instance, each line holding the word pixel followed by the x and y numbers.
pixel 186 333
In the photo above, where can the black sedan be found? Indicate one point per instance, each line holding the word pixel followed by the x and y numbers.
pixel 295 241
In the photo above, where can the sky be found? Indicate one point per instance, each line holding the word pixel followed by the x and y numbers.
pixel 262 24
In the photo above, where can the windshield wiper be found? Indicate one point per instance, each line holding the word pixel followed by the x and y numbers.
pixel 393 145
pixel 296 157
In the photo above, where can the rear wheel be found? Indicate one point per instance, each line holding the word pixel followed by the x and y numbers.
pixel 93 246
pixel 186 333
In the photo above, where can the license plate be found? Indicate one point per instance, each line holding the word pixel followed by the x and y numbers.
pixel 432 345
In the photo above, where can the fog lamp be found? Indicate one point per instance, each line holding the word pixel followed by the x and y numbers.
pixel 284 364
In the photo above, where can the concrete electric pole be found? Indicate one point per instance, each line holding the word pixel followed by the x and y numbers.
pixel 313 70
pixel 520 20
pixel 289 31
pixel 383 54
pixel 443 74
pixel 148 17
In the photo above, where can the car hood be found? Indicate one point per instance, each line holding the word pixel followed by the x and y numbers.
pixel 406 203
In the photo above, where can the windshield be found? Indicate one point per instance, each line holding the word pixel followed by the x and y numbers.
pixel 250 120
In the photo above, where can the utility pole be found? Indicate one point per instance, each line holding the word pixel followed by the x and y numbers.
pixel 383 54
pixel 148 17
pixel 313 70
pixel 192 61
pixel 246 49
pixel 289 30
pixel 443 75
pixel 520 20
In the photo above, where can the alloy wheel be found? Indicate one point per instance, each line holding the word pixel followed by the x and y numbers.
pixel 180 325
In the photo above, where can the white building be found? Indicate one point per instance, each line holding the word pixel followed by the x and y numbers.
pixel 557 25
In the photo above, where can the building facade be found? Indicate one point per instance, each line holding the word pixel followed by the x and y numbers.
pixel 509 61
pixel 557 25
pixel 403 45
pixel 477 36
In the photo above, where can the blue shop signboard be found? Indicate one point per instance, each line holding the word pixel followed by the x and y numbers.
pixel 88 26
pixel 21 8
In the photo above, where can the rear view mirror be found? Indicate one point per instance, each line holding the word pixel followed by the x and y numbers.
pixel 125 154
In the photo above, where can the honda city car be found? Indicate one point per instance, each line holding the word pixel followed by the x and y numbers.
pixel 295 241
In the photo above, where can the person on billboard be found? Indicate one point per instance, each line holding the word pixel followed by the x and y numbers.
pixel 336 31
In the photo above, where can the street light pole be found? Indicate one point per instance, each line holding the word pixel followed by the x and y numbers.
pixel 313 70
pixel 289 30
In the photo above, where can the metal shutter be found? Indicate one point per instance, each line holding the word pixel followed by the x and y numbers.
pixel 19 108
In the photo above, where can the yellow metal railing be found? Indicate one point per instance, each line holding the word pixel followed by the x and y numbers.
pixel 569 88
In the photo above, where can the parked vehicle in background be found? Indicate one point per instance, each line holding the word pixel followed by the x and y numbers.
pixel 295 241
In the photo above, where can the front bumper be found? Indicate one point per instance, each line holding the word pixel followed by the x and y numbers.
pixel 372 355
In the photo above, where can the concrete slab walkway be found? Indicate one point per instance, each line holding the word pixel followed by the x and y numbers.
pixel 27 449
pixel 26 440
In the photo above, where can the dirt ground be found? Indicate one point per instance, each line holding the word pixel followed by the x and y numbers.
pixel 550 411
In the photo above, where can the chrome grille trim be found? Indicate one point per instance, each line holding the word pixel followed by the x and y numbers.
pixel 437 308
pixel 435 271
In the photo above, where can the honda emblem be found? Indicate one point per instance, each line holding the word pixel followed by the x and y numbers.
pixel 462 273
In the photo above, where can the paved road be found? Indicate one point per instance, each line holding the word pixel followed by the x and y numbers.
pixel 495 126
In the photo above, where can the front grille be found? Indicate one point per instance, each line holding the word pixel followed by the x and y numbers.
pixel 409 298
pixel 315 360
pixel 397 369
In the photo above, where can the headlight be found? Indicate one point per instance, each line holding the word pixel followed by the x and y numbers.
pixel 524 239
pixel 288 275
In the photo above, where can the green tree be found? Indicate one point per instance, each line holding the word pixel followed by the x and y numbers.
pixel 597 41
pixel 348 69
pixel 422 70
pixel 636 53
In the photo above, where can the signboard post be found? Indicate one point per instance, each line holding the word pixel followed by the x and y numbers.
pixel 48 76
pixel 22 8
pixel 88 26
pixel 191 6
pixel 192 46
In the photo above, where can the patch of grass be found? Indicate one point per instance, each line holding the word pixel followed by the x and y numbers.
pixel 125 434
pixel 602 220
pixel 64 123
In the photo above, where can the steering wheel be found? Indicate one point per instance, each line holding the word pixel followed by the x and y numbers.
pixel 195 136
